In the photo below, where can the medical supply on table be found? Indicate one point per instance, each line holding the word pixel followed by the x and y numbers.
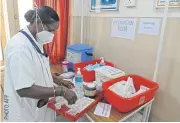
pixel 79 53
pixel 79 84
pixel 91 67
pixel 76 108
pixel 62 110
pixel 90 90
pixel 103 109
pixel 78 76
pixel 71 67
pixel 102 63
pixel 106 73
pixel 141 90
pixel 118 88
pixel 124 104
pixel 68 75
pixel 126 89
pixel 65 66
pixel 89 76
pixel 129 88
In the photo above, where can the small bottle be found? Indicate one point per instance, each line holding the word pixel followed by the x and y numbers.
pixel 78 77
pixel 102 62
pixel 90 90
pixel 79 84
pixel 65 66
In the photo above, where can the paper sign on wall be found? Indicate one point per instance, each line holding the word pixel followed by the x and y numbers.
pixel 123 28
pixel 149 26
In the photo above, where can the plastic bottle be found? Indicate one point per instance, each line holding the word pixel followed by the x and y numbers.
pixel 102 62
pixel 78 77
pixel 65 66
pixel 79 84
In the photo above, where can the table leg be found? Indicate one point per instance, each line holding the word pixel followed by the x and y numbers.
pixel 146 113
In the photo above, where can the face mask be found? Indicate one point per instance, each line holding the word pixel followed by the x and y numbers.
pixel 43 37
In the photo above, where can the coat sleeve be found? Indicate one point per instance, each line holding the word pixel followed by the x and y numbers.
pixel 22 69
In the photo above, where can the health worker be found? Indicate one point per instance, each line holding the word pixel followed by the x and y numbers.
pixel 29 83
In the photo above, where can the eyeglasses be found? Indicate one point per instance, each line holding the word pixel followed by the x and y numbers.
pixel 50 29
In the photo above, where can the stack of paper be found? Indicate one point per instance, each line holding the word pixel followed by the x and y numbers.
pixel 103 109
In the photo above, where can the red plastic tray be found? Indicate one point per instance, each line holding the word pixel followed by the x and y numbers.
pixel 64 108
pixel 127 104
pixel 89 76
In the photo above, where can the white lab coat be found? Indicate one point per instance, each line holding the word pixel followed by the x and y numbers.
pixel 24 66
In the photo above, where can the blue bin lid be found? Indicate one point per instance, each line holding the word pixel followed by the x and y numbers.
pixel 79 47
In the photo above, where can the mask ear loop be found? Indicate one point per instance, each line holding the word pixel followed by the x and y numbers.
pixel 36 7
pixel 37 16
pixel 41 22
pixel 36 21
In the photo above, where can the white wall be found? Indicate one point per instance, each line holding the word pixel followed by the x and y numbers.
pixel 144 8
